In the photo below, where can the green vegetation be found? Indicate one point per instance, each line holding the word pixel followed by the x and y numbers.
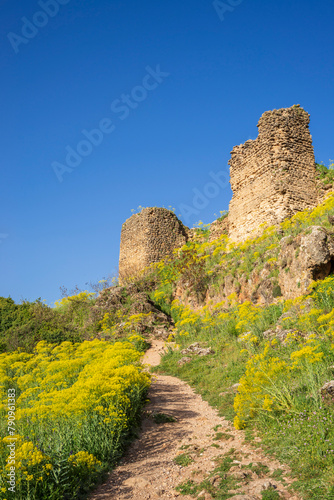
pixel 265 371
pixel 68 411
pixel 78 385
pixel 270 494
pixel 162 418
pixel 76 318
pixel 223 484
pixel 223 215
pixel 222 436
pixel 279 376
pixel 325 174
pixel 184 459
pixel 23 325
pixel 259 469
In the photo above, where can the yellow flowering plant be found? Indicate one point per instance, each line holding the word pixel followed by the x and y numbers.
pixel 258 386
pixel 79 400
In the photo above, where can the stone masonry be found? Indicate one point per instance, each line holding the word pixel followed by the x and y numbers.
pixel 273 176
pixel 148 237
pixel 218 227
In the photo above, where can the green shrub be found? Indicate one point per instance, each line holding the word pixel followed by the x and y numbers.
pixel 323 294
pixel 24 325
pixel 184 459
pixel 277 292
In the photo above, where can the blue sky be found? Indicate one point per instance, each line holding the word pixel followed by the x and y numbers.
pixel 172 86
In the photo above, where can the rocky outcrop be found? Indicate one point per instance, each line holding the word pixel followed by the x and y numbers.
pixel 303 259
pixel 328 389
pixel 259 288
pixel 194 349
pixel 129 301
pixel 197 349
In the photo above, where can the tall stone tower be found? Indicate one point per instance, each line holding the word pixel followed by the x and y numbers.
pixel 148 237
pixel 273 176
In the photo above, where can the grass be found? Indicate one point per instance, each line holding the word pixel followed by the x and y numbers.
pixel 220 483
pixel 162 418
pixel 279 396
pixel 77 407
pixel 222 436
pixel 210 374
pixel 188 488
pixel 278 475
pixel 324 173
pixel 226 481
pixel 270 494
pixel 260 470
pixel 184 460
pixel 283 432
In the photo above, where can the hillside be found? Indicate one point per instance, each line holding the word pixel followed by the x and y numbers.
pixel 245 310
pixel 249 325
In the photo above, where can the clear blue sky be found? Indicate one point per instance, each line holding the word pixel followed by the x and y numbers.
pixel 209 75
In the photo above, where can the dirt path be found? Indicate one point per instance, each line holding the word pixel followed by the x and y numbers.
pixel 148 470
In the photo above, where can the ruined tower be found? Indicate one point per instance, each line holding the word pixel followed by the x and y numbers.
pixel 273 176
pixel 148 237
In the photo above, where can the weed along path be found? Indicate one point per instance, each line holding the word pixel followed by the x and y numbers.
pixel 199 450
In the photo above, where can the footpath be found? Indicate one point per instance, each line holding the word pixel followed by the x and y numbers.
pixel 198 437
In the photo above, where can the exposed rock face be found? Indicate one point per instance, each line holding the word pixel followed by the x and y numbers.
pixel 304 259
pixel 184 360
pixel 133 301
pixel 273 176
pixel 197 349
pixel 259 288
pixel 149 237
pixel 328 388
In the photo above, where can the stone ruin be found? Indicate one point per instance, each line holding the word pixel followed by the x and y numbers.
pixel 148 237
pixel 273 176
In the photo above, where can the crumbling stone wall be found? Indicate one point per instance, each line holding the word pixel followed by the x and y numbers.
pixel 218 227
pixel 273 176
pixel 148 237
